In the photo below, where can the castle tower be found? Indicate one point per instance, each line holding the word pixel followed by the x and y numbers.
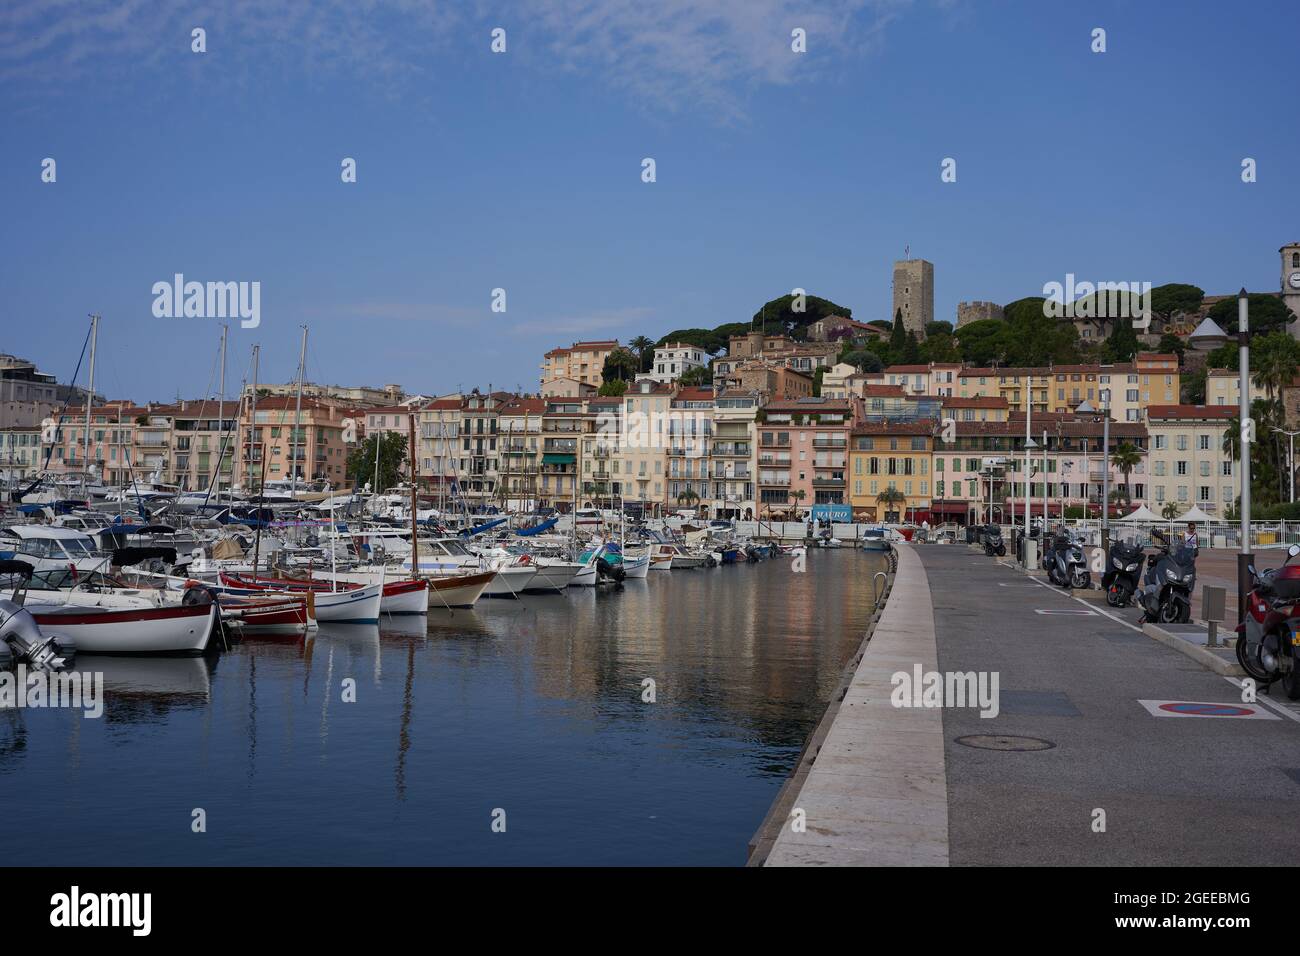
pixel 1291 282
pixel 914 294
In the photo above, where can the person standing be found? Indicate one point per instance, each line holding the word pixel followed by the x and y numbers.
pixel 1191 540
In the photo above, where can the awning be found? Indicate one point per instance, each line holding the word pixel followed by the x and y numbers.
pixel 950 507
pixel 556 458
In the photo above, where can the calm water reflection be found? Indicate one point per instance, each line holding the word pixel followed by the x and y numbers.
pixel 534 707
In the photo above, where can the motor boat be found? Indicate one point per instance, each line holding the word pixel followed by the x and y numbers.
pixel 179 629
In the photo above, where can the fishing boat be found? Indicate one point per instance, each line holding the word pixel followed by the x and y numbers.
pixel 292 615
pixel 181 629
pixel 354 604
pixel 449 555
pixel 678 558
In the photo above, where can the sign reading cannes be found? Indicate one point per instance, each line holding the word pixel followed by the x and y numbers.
pixel 1198 708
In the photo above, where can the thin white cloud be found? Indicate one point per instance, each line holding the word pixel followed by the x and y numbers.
pixel 668 55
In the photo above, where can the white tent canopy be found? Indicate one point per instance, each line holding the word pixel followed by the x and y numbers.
pixel 1143 514
pixel 1197 515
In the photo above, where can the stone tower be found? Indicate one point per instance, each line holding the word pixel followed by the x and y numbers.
pixel 914 294
pixel 1291 282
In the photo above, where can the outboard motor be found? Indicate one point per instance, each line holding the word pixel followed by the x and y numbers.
pixel 20 632
pixel 609 572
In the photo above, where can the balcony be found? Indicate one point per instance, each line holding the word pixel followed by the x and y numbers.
pixel 830 442
pixel 774 482
pixel 774 443
pixel 820 481
pixel 731 449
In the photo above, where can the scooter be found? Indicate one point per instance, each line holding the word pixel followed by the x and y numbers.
pixel 1123 574
pixel 1170 580
pixel 1268 647
pixel 993 543
pixel 1065 563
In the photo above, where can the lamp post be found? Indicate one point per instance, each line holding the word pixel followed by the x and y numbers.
pixel 1243 448
pixel 1290 456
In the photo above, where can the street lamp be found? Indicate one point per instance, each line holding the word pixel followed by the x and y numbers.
pixel 1290 456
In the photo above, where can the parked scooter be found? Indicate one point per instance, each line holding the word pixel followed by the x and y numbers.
pixel 1065 564
pixel 1169 582
pixel 1123 574
pixel 993 543
pixel 1266 639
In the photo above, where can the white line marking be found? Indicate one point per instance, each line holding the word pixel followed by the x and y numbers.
pixel 1262 699
pixel 1066 612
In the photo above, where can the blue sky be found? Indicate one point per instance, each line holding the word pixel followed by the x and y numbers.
pixel 522 170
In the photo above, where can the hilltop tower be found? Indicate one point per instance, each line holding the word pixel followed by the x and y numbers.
pixel 1290 254
pixel 914 294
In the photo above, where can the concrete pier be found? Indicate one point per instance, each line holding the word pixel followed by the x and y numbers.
pixel 876 793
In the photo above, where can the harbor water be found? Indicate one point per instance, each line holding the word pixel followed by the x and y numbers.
pixel 532 715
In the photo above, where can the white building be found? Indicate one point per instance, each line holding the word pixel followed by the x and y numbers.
pixel 673 360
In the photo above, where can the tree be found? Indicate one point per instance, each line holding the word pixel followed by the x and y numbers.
pixel 1169 511
pixel 1172 299
pixel 864 359
pixel 688 498
pixel 780 312
pixel 898 335
pixel 940 347
pixel 645 350
pixel 797 496
pixel 392 455
pixel 699 376
pixel 612 387
pixel 982 342
pixel 1170 343
pixel 911 349
pixel 620 364
pixel 890 496
pixel 938 328
pixel 1126 457
pixel 1122 343
pixel 1267 313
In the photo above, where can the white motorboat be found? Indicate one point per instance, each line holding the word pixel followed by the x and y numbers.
pixel 46 548
pixel 449 555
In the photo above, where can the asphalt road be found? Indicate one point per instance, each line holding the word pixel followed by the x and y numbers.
pixel 1174 790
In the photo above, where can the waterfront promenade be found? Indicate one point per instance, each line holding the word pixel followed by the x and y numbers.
pixel 1114 784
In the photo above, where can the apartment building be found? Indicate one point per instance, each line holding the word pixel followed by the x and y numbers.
pixel 978 409
pixel 1189 465
pixel 643 450
pixel 771 379
pixel 28 396
pixel 891 455
pixel 979 475
pixel 1223 387
pixel 315 450
pixel 802 453
pixel 674 359
pixel 204 440
pixel 519 448
pixel 126 442
pixel 564 424
pixel 20 452
pixel 690 445
pixel 935 378
pixel 880 402
pixel 735 414
pixel 583 362
pixel 479 456
pixel 439 445
pixel 602 444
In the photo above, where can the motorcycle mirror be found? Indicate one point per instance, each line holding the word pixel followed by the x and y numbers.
pixel 1293 550
pixel 1251 569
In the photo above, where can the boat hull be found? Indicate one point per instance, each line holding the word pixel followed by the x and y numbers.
pixel 184 629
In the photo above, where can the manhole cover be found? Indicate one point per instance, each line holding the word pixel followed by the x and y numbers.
pixel 1003 742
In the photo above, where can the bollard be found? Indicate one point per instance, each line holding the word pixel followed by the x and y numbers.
pixel 1213 608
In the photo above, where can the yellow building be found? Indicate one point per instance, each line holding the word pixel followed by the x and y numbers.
pixel 891 454
pixel 1152 378
pixel 583 362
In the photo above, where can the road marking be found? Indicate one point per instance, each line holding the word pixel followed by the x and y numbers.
pixel 1066 612
pixel 1200 708
pixel 1282 709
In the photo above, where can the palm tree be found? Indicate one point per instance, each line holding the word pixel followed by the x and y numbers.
pixel 642 345
pixel 889 497
pixel 1169 511
pixel 797 496
pixel 688 498
pixel 1126 457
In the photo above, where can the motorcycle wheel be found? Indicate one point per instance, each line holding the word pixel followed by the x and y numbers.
pixel 1002 551
pixel 1113 597
pixel 1184 613
pixel 1169 613
pixel 1250 662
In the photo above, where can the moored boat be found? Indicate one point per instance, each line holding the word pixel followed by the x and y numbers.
pixel 181 629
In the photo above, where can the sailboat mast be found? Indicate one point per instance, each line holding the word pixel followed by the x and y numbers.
pixel 297 414
pixel 415 540
pixel 252 424
pixel 221 412
pixel 90 396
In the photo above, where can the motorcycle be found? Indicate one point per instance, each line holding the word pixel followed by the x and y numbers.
pixel 1123 574
pixel 1170 580
pixel 1065 563
pixel 1268 645
pixel 993 543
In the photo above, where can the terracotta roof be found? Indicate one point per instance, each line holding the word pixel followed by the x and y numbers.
pixel 916 426
pixel 907 368
pixel 1191 411
pixel 521 406
pixel 809 407
pixel 870 390
pixel 692 393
